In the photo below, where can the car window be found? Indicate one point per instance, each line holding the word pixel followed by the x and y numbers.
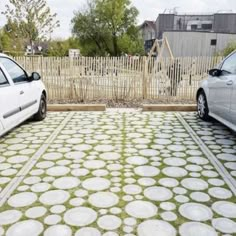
pixel 229 64
pixel 17 74
pixel 3 79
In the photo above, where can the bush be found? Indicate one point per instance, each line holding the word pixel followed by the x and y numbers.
pixel 230 48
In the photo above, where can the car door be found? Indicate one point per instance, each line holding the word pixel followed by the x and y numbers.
pixel 221 89
pixel 9 103
pixel 233 102
pixel 26 89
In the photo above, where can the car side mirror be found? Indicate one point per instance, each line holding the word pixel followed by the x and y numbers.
pixel 35 76
pixel 215 72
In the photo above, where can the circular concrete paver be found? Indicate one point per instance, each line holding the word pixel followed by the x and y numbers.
pixel 9 217
pixel 196 212
pixel 66 183
pixel 157 228
pixel 141 209
pixel 35 212
pixel 103 199
pixel 109 222
pixel 88 231
pixel 137 160
pixel 175 172
pixel 80 216
pixel 22 199
pixel 194 184
pixel 25 228
pixel 224 225
pixel 200 196
pixel 59 230
pixel 196 229
pixel 147 171
pixel 158 193
pixel 132 189
pixel 226 209
pixel 54 197
pixel 220 193
pixel 96 184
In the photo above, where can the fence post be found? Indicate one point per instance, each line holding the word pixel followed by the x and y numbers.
pixel 145 77
pixel 41 67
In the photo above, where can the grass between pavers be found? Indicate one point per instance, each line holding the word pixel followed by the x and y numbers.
pixel 230 135
pixel 26 127
pixel 123 203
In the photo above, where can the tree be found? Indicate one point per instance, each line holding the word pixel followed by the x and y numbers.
pixel 5 41
pixel 8 43
pixel 60 48
pixel 131 43
pixel 230 48
pixel 30 20
pixel 108 27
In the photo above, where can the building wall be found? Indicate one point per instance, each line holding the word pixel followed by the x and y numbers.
pixel 187 44
pixel 182 22
pixel 148 33
pixel 224 39
pixel 225 23
pixel 157 27
pixel 164 22
pixel 219 22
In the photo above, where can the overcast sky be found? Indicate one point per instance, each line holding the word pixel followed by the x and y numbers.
pixel 148 9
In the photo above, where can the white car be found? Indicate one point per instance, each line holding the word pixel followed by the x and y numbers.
pixel 21 96
pixel 216 96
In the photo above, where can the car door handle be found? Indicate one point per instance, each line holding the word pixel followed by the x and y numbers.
pixel 230 82
pixel 22 92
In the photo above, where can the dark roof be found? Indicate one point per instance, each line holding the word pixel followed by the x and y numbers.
pixel 150 23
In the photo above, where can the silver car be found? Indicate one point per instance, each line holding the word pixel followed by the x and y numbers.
pixel 216 96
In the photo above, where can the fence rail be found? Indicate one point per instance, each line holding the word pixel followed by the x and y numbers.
pixel 93 78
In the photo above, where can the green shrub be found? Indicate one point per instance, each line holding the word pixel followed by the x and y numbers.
pixel 230 48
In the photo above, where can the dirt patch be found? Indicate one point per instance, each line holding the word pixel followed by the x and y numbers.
pixel 136 103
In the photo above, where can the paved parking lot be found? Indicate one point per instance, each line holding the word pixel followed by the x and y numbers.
pixel 118 173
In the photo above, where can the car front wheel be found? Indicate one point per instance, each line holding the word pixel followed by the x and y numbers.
pixel 202 106
pixel 42 112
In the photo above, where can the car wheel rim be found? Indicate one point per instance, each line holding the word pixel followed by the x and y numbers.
pixel 43 107
pixel 201 105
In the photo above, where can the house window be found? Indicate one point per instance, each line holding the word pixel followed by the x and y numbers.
pixel 207 26
pixel 193 27
pixel 149 44
pixel 213 42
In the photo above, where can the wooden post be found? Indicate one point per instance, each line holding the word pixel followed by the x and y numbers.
pixel 145 77
pixel 168 47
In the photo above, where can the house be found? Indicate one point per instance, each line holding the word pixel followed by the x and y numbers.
pixel 74 53
pixel 148 34
pixel 194 27
pixel 37 48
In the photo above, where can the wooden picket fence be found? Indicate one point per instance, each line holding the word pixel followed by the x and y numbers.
pixel 120 78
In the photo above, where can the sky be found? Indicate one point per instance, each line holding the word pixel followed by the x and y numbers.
pixel 148 9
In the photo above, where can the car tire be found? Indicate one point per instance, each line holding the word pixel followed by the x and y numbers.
pixel 202 106
pixel 42 112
